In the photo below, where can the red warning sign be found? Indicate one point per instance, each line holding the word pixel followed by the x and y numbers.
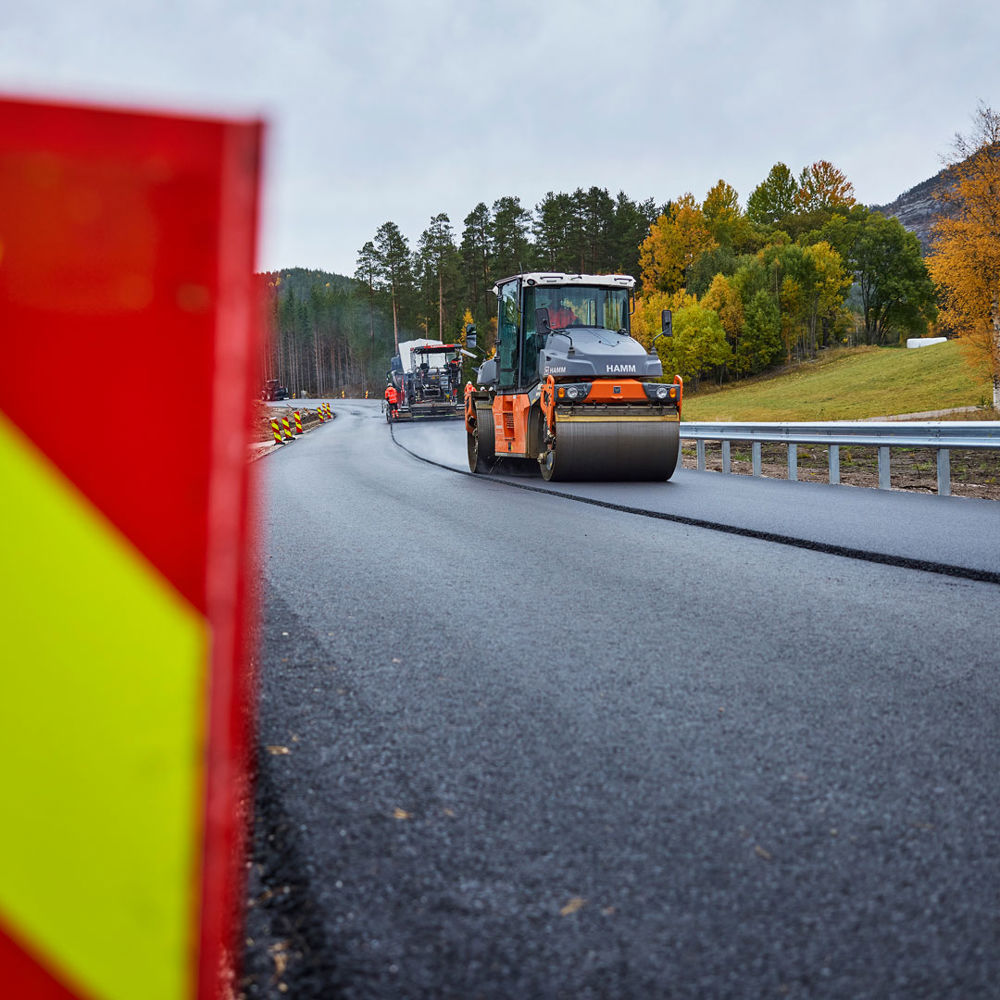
pixel 127 246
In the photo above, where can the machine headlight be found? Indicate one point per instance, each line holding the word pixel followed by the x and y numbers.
pixel 658 392
pixel 577 392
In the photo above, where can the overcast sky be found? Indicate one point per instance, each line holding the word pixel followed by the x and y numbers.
pixel 387 109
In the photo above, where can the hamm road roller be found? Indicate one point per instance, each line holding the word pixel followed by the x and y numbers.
pixel 569 388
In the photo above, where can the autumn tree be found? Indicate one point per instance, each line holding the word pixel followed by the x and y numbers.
pixel 725 219
pixel 822 188
pixel 698 345
pixel 825 283
pixel 809 284
pixel 965 258
pixel 724 298
pixel 646 319
pixel 675 240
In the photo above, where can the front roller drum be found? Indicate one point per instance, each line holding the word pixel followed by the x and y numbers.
pixel 480 441
pixel 624 450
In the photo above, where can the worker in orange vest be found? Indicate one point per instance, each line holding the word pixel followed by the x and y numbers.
pixel 391 400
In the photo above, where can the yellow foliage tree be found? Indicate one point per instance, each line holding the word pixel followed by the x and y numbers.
pixel 646 320
pixel 965 259
pixel 467 319
pixel 830 284
pixel 725 299
pixel 790 303
pixel 674 241
pixel 727 224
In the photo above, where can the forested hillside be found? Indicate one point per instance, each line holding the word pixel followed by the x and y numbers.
pixel 798 267
pixel 325 334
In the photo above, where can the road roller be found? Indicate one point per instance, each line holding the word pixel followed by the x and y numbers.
pixel 569 391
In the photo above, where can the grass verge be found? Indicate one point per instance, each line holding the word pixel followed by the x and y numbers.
pixel 851 384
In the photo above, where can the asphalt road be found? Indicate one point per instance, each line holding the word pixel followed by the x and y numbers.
pixel 519 745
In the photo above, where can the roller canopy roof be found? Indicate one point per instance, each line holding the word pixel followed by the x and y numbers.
pixel 558 278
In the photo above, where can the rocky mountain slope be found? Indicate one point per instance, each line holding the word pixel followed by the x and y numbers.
pixel 917 208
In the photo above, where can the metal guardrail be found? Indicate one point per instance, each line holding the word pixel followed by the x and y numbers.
pixel 939 435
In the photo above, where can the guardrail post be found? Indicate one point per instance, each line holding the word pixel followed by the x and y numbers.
pixel 727 460
pixel 700 446
pixel 883 468
pixel 834 462
pixel 944 472
pixel 793 463
pixel 755 457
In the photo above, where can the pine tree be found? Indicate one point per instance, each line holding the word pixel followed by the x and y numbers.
pixel 392 255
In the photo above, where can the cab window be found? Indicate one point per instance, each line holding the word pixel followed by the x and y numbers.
pixel 507 328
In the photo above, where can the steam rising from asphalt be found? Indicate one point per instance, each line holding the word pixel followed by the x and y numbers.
pixel 441 441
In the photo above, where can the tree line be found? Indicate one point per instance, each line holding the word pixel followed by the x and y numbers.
pixel 802 266
pixel 330 333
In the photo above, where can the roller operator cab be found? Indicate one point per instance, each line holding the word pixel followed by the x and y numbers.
pixel 569 387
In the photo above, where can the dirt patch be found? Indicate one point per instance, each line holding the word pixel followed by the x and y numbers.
pixel 974 472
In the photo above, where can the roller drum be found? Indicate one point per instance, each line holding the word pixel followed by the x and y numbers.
pixel 627 450
pixel 481 443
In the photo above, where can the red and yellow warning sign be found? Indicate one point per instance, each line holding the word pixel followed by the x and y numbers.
pixel 126 280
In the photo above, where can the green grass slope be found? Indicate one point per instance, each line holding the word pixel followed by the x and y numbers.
pixel 850 385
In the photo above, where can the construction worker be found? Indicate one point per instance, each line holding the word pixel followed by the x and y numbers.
pixel 454 376
pixel 561 317
pixel 391 400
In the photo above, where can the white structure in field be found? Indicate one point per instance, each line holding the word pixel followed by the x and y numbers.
pixel 925 341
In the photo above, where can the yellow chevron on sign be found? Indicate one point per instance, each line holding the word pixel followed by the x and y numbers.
pixel 101 710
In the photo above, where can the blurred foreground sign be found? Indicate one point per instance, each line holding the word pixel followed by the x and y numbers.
pixel 127 347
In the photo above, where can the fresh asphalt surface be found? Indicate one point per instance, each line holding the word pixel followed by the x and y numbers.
pixel 517 745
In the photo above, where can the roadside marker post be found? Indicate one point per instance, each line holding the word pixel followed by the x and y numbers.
pixel 276 431
pixel 127 245
pixel 298 422
pixel 286 429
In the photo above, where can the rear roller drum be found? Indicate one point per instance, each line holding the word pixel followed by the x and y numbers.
pixel 480 441
pixel 622 450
